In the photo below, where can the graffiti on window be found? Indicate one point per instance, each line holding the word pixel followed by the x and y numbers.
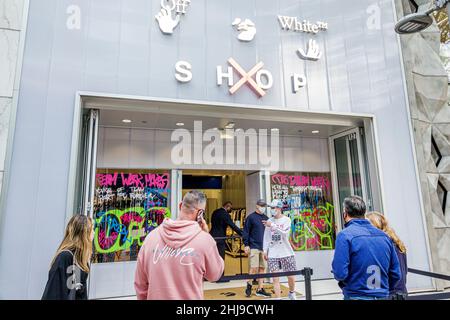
pixel 128 206
pixel 307 202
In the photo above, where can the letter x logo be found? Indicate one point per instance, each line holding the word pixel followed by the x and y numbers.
pixel 246 77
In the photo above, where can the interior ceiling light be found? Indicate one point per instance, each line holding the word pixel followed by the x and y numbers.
pixel 315 131
pixel 127 121
pixel 230 125
pixel 226 135
pixel 180 124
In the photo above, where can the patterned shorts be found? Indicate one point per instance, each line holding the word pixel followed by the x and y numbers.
pixel 284 264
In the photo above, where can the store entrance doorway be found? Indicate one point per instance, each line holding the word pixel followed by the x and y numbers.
pixel 220 186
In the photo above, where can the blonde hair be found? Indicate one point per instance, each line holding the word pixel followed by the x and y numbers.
pixel 379 221
pixel 77 240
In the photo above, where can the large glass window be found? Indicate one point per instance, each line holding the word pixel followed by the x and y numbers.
pixel 128 205
pixel 307 201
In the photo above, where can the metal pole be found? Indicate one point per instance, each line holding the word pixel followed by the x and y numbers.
pixel 240 254
pixel 307 272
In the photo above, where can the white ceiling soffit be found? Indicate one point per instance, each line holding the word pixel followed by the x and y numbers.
pixel 209 109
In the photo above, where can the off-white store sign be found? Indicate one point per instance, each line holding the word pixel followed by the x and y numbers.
pixel 258 79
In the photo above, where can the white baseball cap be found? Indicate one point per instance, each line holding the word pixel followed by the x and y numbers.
pixel 276 204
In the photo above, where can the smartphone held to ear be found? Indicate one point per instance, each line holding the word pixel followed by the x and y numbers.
pixel 200 217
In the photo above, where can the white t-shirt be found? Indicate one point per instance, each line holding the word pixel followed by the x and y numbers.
pixel 276 238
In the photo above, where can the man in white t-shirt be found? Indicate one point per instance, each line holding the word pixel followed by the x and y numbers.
pixel 277 248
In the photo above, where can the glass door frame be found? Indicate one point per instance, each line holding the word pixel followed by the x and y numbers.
pixel 362 168
pixel 86 164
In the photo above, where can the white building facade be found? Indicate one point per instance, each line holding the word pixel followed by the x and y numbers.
pixel 328 77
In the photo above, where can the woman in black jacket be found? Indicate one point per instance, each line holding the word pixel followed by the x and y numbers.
pixel 67 278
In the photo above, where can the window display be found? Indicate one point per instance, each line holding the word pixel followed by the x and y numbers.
pixel 128 206
pixel 307 201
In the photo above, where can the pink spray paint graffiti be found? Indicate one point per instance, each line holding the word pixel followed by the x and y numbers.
pixel 139 180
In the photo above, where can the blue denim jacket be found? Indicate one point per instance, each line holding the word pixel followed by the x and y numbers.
pixel 365 261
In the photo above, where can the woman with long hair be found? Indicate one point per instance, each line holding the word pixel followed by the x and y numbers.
pixel 67 278
pixel 379 221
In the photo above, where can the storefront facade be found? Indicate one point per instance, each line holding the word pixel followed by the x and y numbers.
pixel 328 75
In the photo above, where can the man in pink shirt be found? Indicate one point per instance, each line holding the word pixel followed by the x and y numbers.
pixel 177 255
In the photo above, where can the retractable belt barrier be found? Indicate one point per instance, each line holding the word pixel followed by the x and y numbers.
pixel 306 273
pixel 435 296
pixel 429 274
pixel 227 238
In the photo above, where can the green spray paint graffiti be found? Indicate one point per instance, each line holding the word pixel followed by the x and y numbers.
pixel 312 228
pixel 117 230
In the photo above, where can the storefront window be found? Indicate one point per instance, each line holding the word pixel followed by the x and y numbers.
pixel 307 202
pixel 129 204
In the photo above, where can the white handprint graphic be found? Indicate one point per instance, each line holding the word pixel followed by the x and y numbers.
pixel 165 20
pixel 312 53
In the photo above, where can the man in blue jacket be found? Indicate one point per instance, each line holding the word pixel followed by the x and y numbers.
pixel 365 262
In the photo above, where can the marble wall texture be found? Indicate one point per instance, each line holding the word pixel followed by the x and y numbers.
pixel 11 16
pixel 428 94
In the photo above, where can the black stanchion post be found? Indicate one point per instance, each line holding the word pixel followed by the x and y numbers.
pixel 240 253
pixel 307 272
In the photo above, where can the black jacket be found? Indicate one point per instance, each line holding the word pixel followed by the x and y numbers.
pixel 220 220
pixel 58 276
pixel 400 287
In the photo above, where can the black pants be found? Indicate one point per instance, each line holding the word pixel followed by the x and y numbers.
pixel 221 248
pixel 399 296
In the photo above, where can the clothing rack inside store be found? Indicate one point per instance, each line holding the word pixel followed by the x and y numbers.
pixel 305 197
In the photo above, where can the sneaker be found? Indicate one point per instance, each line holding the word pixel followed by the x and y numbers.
pixel 248 290
pixel 263 293
pixel 291 296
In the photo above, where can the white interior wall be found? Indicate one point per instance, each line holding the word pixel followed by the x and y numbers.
pixel 129 148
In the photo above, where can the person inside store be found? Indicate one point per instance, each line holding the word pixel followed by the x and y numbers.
pixel 378 220
pixel 253 237
pixel 277 248
pixel 67 278
pixel 176 257
pixel 220 221
pixel 365 262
